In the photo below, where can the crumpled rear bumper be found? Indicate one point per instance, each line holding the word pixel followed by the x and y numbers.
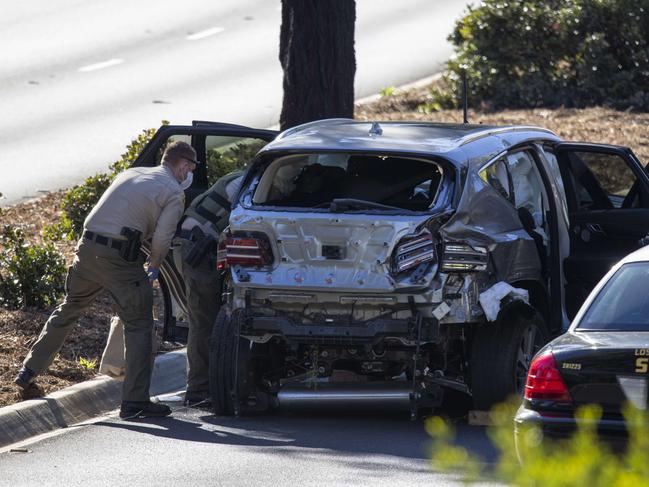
pixel 336 332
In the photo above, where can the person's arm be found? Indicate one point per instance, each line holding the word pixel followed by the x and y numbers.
pixel 165 229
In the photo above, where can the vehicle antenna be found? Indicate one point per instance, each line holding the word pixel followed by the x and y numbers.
pixel 465 96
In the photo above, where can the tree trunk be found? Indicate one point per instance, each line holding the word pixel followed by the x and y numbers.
pixel 317 55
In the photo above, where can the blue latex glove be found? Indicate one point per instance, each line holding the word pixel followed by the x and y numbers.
pixel 153 273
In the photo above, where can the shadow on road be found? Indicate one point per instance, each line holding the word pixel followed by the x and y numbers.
pixel 306 433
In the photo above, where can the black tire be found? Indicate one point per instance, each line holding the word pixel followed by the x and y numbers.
pixel 229 384
pixel 501 356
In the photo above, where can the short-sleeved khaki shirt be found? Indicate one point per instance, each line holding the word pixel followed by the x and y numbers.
pixel 148 199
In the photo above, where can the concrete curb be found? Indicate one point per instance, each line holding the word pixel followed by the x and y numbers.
pixel 83 401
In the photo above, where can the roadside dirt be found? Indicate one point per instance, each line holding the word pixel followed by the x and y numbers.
pixel 600 125
pixel 19 329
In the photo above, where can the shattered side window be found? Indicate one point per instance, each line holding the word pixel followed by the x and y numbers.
pixel 497 176
pixel 317 180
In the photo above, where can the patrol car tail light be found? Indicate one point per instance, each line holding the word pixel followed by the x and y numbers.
pixel 460 257
pixel 244 252
pixel 544 381
pixel 412 251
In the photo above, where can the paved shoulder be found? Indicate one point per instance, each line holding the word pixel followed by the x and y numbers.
pixel 83 401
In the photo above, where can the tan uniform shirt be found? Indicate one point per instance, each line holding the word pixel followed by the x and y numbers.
pixel 148 199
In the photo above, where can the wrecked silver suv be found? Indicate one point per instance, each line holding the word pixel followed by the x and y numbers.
pixel 389 262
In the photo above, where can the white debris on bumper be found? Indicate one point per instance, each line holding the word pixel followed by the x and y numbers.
pixel 441 311
pixel 490 299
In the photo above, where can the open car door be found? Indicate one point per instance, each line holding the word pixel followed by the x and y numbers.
pixel 224 148
pixel 607 191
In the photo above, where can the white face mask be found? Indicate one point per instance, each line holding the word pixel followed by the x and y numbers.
pixel 188 181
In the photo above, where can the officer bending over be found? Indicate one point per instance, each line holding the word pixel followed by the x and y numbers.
pixel 203 221
pixel 141 203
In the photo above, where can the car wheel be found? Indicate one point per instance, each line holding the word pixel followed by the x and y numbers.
pixel 229 360
pixel 501 356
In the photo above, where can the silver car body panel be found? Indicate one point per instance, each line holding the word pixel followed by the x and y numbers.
pixel 301 277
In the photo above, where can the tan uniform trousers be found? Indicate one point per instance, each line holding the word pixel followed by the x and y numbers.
pixel 97 267
pixel 203 289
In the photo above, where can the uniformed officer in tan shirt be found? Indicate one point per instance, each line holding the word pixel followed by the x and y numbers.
pixel 149 200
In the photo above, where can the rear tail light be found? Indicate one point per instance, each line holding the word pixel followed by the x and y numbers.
pixel 460 257
pixel 544 381
pixel 243 251
pixel 221 254
pixel 412 251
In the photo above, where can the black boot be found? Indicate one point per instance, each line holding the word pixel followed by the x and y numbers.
pixel 143 409
pixel 24 378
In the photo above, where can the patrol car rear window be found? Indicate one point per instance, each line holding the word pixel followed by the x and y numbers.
pixel 623 303
pixel 315 180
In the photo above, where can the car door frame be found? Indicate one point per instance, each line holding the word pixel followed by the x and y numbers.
pixel 553 300
pixel 172 278
pixel 197 131
pixel 561 150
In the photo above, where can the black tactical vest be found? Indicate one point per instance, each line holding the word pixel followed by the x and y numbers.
pixel 213 206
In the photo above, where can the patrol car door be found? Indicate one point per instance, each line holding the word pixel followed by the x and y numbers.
pixel 223 147
pixel 607 191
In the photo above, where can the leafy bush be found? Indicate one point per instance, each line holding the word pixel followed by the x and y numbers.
pixel 30 275
pixel 579 460
pixel 223 161
pixel 79 200
pixel 575 53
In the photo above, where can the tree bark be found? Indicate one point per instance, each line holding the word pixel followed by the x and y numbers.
pixel 318 58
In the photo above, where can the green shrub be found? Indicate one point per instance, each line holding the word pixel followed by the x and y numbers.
pixel 79 200
pixel 30 275
pixel 133 150
pixel 221 161
pixel 575 53
pixel 579 460
pixel 60 230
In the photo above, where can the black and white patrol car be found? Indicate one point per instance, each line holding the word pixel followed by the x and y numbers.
pixel 603 359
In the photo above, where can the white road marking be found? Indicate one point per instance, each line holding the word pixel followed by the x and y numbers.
pixel 205 33
pixel 105 64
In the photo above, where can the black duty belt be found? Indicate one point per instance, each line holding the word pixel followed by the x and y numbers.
pixel 103 240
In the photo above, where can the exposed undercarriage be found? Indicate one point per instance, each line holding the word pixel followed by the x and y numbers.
pixel 328 361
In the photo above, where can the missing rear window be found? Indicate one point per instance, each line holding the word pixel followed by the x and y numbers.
pixel 348 181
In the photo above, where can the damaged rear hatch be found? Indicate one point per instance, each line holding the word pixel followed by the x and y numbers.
pixel 339 222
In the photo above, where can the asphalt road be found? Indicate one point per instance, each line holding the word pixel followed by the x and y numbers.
pixel 194 447
pixel 78 78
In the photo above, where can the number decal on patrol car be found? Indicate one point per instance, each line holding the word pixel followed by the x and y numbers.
pixel 641 365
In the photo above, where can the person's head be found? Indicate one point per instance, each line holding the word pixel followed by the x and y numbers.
pixel 180 157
